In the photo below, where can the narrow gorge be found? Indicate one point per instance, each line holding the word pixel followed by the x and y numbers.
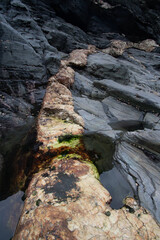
pixel 80 119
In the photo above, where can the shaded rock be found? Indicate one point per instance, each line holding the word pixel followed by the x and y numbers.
pixel 1 162
pixel 84 86
pixel 126 72
pixel 65 195
pixel 14 111
pixel 29 65
pixel 151 119
pixel 144 100
pixel 143 175
pixel 101 148
pixel 147 139
pixel 118 111
pixel 134 19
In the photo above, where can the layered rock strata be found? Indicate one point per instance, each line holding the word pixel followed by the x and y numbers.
pixel 121 103
pixel 65 199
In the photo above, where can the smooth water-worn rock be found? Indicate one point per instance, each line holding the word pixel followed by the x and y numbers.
pixel 143 173
pixel 125 107
pixel 123 72
pixel 145 100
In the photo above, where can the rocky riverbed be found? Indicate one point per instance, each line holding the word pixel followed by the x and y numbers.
pixel 106 96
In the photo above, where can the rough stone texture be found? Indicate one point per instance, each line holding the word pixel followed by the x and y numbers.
pixel 127 100
pixel 137 97
pixel 123 109
pixel 143 168
pixel 57 115
pixel 65 76
pixel 125 72
pixel 68 202
pixel 118 47
pixel 66 199
pixel 137 20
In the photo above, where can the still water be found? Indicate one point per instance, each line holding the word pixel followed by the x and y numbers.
pixel 101 150
pixel 118 187
pixel 10 210
pixel 13 149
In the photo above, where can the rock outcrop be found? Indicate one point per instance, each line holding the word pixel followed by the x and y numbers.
pixel 66 200
pixel 101 108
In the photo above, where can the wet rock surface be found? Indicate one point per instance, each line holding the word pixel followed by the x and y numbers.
pixel 109 91
pixel 65 198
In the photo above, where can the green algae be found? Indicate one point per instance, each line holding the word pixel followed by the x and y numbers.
pixel 74 156
pixel 67 138
pixel 34 193
pixel 108 213
pixel 53 168
pixel 70 141
pixel 38 202
pixel 93 168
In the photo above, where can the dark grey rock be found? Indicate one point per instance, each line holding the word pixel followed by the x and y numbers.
pixel 142 174
pixel 93 123
pixel 148 139
pixel 136 19
pixel 151 120
pixel 84 86
pixel 93 114
pixel 118 111
pixel 139 98
pixel 91 106
pixel 126 72
pixel 105 66
pixel 1 162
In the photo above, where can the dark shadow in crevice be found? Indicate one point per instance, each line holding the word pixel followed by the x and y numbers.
pixel 101 150
pixel 128 125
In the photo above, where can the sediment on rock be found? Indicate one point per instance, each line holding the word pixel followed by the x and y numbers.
pixel 65 199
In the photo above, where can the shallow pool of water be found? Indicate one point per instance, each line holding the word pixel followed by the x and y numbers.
pixel 117 185
pixel 14 149
pixel 101 150
pixel 10 210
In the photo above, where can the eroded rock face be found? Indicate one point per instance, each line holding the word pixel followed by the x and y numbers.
pixel 126 100
pixel 136 19
pixel 66 200
pixel 116 98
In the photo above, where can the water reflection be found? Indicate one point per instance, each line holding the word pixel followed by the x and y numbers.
pixel 101 150
pixel 117 185
pixel 10 210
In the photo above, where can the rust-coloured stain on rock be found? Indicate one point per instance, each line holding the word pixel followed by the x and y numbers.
pixel 65 200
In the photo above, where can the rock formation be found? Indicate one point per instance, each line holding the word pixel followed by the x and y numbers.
pixel 65 200
pixel 101 108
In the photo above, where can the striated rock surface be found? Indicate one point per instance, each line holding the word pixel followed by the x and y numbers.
pixel 111 117
pixel 65 199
